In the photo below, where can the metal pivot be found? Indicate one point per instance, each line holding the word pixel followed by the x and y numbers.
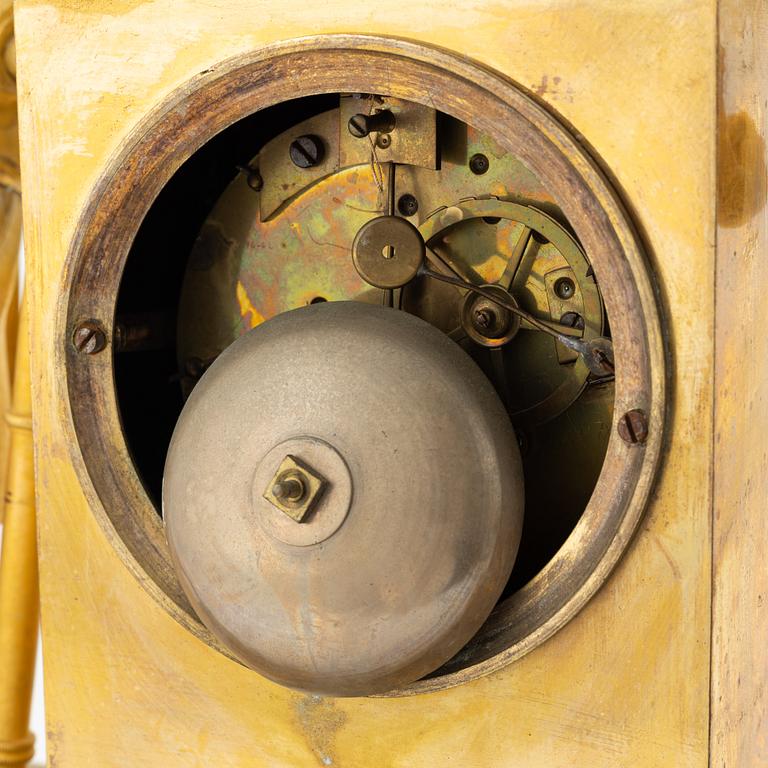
pixel 597 353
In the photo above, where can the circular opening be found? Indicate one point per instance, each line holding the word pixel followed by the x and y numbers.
pixel 565 288
pixel 408 205
pixel 124 429
pixel 232 272
pixel 479 164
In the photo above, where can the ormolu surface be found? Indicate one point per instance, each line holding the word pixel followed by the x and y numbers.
pixel 403 580
pixel 599 693
pixel 583 562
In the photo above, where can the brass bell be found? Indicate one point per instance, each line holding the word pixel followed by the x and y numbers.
pixel 343 498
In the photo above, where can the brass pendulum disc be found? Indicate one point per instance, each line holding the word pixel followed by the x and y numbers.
pixel 388 251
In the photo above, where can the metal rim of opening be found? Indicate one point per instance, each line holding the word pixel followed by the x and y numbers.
pixel 238 87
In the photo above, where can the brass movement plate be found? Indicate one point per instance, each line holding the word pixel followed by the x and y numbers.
pixel 245 270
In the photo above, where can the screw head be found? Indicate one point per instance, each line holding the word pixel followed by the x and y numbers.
pixel 633 427
pixel 254 181
pixel 573 320
pixel 358 126
pixel 479 164
pixel 89 337
pixel 483 319
pixel 408 205
pixel 252 177
pixel 306 151
pixel 381 121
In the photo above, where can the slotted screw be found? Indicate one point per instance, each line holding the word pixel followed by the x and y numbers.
pixel 306 151
pixel 361 125
pixel 633 427
pixel 89 337
pixel 573 320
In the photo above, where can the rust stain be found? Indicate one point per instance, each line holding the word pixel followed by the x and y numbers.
pixel 252 315
pixel 553 89
pixel 742 177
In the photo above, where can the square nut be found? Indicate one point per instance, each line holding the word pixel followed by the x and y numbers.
pixel 295 488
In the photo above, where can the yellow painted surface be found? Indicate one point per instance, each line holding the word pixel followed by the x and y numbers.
pixel 740 609
pixel 18 570
pixel 10 229
pixel 626 683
